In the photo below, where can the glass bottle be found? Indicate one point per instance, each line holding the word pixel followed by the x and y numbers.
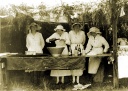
pixel 70 51
pixel 76 51
pixel 79 50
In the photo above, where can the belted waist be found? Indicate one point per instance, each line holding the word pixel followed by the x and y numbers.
pixel 76 43
pixel 98 47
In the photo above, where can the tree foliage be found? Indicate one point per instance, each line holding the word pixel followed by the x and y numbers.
pixel 98 14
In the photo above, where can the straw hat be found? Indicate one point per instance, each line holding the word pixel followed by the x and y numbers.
pixel 34 24
pixel 94 30
pixel 76 24
pixel 60 27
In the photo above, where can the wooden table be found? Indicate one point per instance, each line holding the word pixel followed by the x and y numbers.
pixel 43 63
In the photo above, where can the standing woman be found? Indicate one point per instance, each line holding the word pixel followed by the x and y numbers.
pixel 61 38
pixel 77 37
pixel 96 45
pixel 34 40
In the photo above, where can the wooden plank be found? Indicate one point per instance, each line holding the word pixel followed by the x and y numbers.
pixel 99 55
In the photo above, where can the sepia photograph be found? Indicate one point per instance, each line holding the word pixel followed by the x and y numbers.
pixel 63 45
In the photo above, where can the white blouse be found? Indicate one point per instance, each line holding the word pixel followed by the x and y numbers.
pixel 77 38
pixel 64 36
pixel 97 42
pixel 35 42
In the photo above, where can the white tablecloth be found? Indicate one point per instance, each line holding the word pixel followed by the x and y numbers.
pixel 123 66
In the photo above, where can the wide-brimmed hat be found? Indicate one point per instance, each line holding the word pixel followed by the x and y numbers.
pixel 76 24
pixel 60 27
pixel 94 30
pixel 35 24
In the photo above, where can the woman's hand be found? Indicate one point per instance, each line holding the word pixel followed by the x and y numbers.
pixel 53 39
pixel 104 52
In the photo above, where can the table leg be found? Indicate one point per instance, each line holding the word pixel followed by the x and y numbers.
pixel 36 77
pixel 1 76
pixel 100 74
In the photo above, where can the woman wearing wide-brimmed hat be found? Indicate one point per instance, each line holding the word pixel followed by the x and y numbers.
pixel 77 38
pixel 95 46
pixel 34 39
pixel 61 38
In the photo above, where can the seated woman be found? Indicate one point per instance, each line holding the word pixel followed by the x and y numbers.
pixel 95 46
pixel 61 38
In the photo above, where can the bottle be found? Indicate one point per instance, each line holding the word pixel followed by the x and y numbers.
pixel 76 51
pixel 79 50
pixel 70 51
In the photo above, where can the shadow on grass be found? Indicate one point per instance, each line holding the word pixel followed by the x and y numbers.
pixel 21 81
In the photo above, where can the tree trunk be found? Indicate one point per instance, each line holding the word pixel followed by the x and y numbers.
pixel 114 9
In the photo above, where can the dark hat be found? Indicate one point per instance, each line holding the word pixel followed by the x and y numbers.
pixel 34 24
pixel 76 24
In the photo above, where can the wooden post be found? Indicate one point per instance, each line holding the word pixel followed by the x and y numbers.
pixel 1 76
pixel 0 34
pixel 114 27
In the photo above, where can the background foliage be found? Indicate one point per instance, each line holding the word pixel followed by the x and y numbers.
pixel 15 25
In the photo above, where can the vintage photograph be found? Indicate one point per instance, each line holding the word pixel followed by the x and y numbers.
pixel 63 45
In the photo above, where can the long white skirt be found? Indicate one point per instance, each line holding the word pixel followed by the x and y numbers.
pixel 94 63
pixel 78 72
pixel 60 73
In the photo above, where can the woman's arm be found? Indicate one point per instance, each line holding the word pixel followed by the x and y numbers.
pixel 51 37
pixel 105 43
pixel 27 42
pixel 89 46
pixel 42 43
pixel 67 41
pixel 84 37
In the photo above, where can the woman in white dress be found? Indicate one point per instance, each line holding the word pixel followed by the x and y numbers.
pixel 34 42
pixel 34 39
pixel 95 46
pixel 77 37
pixel 61 38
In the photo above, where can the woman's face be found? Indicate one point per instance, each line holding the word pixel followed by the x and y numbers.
pixel 76 27
pixel 59 31
pixel 33 28
pixel 93 34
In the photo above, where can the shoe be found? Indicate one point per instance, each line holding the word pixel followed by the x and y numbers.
pixel 75 83
pixel 75 89
pixel 57 82
pixel 78 85
pixel 85 86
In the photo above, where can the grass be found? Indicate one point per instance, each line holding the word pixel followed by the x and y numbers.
pixel 21 81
